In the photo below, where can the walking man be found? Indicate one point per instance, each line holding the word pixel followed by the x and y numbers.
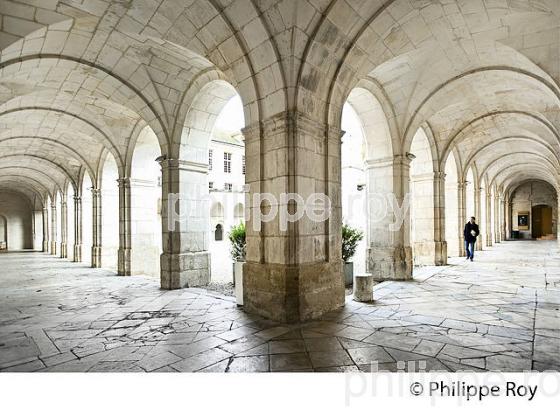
pixel 470 233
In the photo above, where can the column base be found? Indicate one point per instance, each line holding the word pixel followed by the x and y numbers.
pixel 96 256
pixel 389 262
pixel 293 293
pixel 63 250
pixel 46 246
pixel 123 264
pixel 77 253
pixel 432 253
pixel 53 248
pixel 489 240
pixel 478 245
pixel 185 269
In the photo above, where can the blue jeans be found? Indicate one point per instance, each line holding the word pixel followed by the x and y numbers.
pixel 469 247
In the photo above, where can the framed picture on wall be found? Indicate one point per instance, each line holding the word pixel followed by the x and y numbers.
pixel 523 221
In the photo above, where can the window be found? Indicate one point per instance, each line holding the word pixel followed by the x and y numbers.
pixel 228 187
pixel 210 153
pixel 227 162
pixel 210 185
pixel 243 164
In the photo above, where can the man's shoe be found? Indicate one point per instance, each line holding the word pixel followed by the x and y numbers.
pixel 471 259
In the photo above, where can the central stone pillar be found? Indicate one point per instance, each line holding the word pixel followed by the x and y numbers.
pixel 97 226
pixel 488 210
pixel 478 216
pixel 185 208
pixel 77 257
pixel 389 254
pixel 293 270
pixel 123 265
pixel 45 229
pixel 53 229
pixel 63 228
pixel 461 214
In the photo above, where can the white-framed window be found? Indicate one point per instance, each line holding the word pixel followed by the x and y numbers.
pixel 210 154
pixel 228 187
pixel 210 186
pixel 227 162
pixel 243 164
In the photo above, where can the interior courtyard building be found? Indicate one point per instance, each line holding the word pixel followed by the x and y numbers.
pixel 402 118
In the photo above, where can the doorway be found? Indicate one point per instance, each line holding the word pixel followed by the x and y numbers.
pixel 541 221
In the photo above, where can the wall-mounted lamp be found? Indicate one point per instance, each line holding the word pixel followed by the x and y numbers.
pixel 360 187
pixel 410 156
pixel 161 158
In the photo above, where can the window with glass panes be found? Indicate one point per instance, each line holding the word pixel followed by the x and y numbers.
pixel 227 162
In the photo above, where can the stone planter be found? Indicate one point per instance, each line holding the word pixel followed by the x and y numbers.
pixel 238 282
pixel 348 273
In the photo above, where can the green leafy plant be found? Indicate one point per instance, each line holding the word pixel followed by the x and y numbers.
pixel 350 239
pixel 237 239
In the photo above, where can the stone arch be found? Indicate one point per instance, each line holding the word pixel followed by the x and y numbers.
pixel 108 175
pixel 145 202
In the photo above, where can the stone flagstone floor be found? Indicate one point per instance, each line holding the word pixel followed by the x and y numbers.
pixel 499 313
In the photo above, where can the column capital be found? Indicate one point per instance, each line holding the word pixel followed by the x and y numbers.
pixel 123 182
pixel 77 198
pixel 96 191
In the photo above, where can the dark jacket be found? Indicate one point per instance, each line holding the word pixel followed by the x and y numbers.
pixel 467 232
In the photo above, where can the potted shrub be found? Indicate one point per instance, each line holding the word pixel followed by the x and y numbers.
pixel 350 239
pixel 238 245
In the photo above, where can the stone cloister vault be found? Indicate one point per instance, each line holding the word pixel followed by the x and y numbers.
pixel 475 84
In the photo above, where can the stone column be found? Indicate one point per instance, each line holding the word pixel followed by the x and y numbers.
pixel 478 216
pixel 294 271
pixel 53 229
pixel 439 219
pixel 497 219
pixel 389 254
pixel 185 209
pixel 461 214
pixel 97 226
pixel 77 228
pixel 123 267
pixel 488 210
pixel 504 217
pixel 63 228
pixel 46 247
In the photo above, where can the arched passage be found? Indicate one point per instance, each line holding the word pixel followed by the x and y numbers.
pixel 369 147
pixel 453 235
pixel 353 180
pixel 87 219
pixel 422 225
pixel 109 213
pixel 70 237
pixel 145 202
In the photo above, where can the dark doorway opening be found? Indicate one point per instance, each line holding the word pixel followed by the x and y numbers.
pixel 541 221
